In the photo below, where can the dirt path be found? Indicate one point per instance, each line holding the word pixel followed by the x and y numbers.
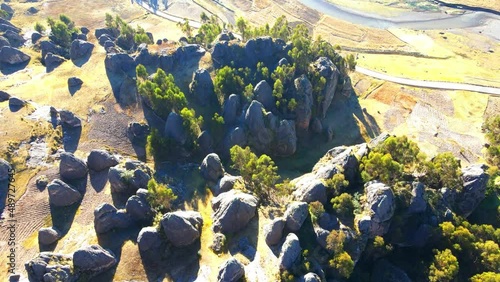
pixel 430 84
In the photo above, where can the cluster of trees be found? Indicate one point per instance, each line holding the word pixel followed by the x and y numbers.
pixel 164 96
pixel 128 36
pixel 62 30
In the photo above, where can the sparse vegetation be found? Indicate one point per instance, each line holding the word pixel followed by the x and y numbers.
pixel 160 196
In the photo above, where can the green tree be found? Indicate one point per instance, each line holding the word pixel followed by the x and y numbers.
pixel 301 51
pixel 444 267
pixel 227 82
pixel 343 263
pixel 259 173
pixel 278 92
pixel 337 183
pixel 402 150
pixel 491 127
pixel 486 277
pixel 316 209
pixel 191 124
pixel 160 196
pixel 280 28
pixel 335 241
pixel 292 104
pixel 60 33
pixel 185 27
pixel 343 205
pixel 443 171
pixel 490 254
pixel 381 167
pixel 242 25
pixel 40 28
pixel 351 62
pixel 141 36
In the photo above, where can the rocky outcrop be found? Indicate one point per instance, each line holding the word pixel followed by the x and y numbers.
pixel 35 36
pixel 72 167
pixel 285 139
pixel 52 61
pixel 290 252
pixel 182 228
pixel 218 243
pixel 264 94
pixel 174 128
pixel 69 119
pixel 13 56
pixel 474 188
pixel 260 137
pixel 232 109
pixel 417 202
pixel 120 64
pixel 150 243
pixel 233 210
pixel 47 236
pixel 226 183
pixel 99 160
pixel 137 133
pixel 139 208
pixel 231 271
pixel 80 49
pixel 47 266
pixel 211 168
pixel 128 178
pixel 107 218
pixel 273 232
pixel 304 98
pixel 61 194
pixel 295 215
pixel 329 71
pixel 93 260
pixel 15 102
pixel 202 87
pixel 340 159
pixel 378 209
pixel 309 189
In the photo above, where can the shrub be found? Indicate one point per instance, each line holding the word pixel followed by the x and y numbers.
pixel 39 27
pixel 316 209
pixel 343 205
pixel 444 267
pixel 160 196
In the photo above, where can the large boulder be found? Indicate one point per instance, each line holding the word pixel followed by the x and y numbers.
pixel 285 139
pixel 232 108
pixel 146 58
pixel 13 56
pixel 16 102
pixel 52 61
pixel 295 215
pixel 72 167
pixel 107 218
pixel 130 178
pixel 80 49
pixel 61 194
pixel 264 94
pixel 273 232
pixel 74 82
pixel 328 70
pixel 182 228
pixel 211 168
pixel 231 271
pixel 48 47
pixel 5 169
pixel 290 252
pixel 233 210
pixel 139 208
pixel 99 160
pixel 112 32
pixel 225 184
pixel 93 260
pixel 149 239
pixel 474 188
pixel 309 189
pixel 174 128
pixel 260 137
pixel 235 136
pixel 69 119
pixel 15 39
pixel 47 236
pixel 138 132
pixel 4 42
pixel 120 64
pixel 202 87
pixel 378 209
pixel 339 159
pixel 304 98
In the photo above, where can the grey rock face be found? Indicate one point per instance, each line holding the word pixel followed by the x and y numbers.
pixel 107 218
pixel 211 168
pixel 225 184
pixel 99 160
pixel 14 38
pixel 174 128
pixel 328 221
pixel 231 271
pixel 53 61
pixel 130 178
pixel 295 214
pixel 232 107
pixel 120 64
pixel 139 208
pixel 47 236
pixel 202 87
pixel 328 70
pixel 138 132
pixel 148 239
pixel 4 96
pixel 72 167
pixel 69 119
pixel 93 259
pixel 304 100
pixel 343 157
pixel 4 42
pixel 61 194
pixel 286 139
pixel 309 189
pixel 290 252
pixel 80 49
pixel 218 243
pixel 473 192
pixel 264 94
pixel 232 211
pixel 380 205
pixel 273 232
pixel 13 56
pixel 35 36
pixel 260 137
pixel 47 266
pixel 182 228
pixel 417 202
pixel 5 169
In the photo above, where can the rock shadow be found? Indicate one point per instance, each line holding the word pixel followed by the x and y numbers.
pixel 245 242
pixel 81 61
pixel 14 108
pixel 98 179
pixel 73 89
pixel 120 199
pixel 71 138
pixel 4 190
pixel 177 264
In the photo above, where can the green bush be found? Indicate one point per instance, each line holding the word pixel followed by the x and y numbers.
pixel 39 28
pixel 343 205
pixel 160 196
pixel 444 267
